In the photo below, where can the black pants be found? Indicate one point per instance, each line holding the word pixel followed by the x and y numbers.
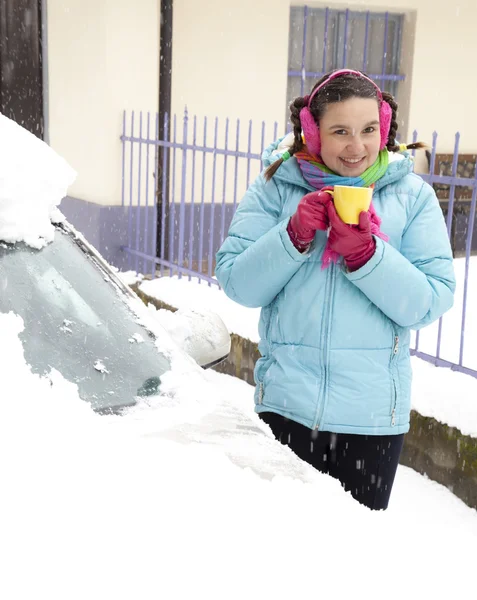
pixel 365 464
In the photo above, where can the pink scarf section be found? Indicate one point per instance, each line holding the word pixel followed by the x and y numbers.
pixel 330 256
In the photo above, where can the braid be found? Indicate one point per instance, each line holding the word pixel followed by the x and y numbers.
pixel 295 108
pixel 391 145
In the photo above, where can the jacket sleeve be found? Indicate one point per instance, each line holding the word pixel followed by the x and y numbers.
pixel 257 259
pixel 414 286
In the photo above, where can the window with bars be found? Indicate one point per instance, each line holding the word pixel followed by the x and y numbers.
pixel 322 39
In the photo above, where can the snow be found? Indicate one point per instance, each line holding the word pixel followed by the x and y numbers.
pixel 184 294
pixel 434 389
pixel 189 496
pixel 33 181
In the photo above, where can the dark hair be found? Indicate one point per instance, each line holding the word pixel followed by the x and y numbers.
pixel 337 90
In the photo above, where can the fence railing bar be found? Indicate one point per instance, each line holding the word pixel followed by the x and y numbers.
pixel 131 178
pixel 201 214
pixel 376 76
pixel 212 203
pixel 168 265
pixel 303 51
pixel 366 37
pixel 172 208
pixel 156 190
pixel 192 199
pixel 146 220
pixel 138 201
pixel 450 212
pixel 249 151
pixel 325 43
pixel 180 251
pixel 224 186
pixel 345 38
pixel 468 249
pixel 204 149
pixel 237 142
pixel 385 49
pixel 439 362
pixel 123 160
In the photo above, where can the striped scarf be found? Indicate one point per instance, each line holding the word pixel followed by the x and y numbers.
pixel 319 175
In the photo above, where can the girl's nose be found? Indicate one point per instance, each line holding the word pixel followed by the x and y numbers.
pixel 355 144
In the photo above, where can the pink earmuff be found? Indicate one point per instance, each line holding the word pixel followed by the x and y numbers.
pixel 311 131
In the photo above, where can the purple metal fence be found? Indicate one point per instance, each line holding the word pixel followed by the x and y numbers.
pixel 193 219
pixel 322 39
pixel 206 182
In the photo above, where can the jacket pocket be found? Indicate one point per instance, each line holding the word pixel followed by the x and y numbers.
pixel 260 374
pixel 393 375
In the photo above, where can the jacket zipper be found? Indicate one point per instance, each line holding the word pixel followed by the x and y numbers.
pixel 394 389
pixel 260 393
pixel 327 326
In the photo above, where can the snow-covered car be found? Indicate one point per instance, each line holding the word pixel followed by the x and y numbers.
pixel 78 316
pixel 79 319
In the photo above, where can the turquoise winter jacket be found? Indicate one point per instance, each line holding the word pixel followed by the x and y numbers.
pixel 335 345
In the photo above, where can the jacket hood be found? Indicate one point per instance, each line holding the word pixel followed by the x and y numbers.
pixel 400 165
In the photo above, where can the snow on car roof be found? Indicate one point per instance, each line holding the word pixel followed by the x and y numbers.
pixel 33 181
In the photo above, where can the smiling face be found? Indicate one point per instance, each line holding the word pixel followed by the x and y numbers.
pixel 350 136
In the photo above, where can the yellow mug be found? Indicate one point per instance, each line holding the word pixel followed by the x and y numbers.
pixel 351 201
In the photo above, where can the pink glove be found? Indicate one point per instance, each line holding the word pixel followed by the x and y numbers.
pixel 355 243
pixel 310 215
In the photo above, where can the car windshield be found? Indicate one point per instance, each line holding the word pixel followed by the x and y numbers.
pixel 78 322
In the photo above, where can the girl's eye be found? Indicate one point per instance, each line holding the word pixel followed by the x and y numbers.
pixel 340 132
pixel 369 130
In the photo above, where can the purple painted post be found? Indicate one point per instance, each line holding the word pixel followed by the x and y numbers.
pixel 325 38
pixel 172 211
pixel 249 151
pixel 366 36
pixel 224 187
pixel 275 130
pixel 156 178
pixel 146 223
pixel 303 51
pixel 192 206
pixel 131 170
pixel 432 166
pixel 468 249
pixel 164 190
pixel 138 202
pixel 183 194
pixel 201 215
pixel 212 203
pixel 450 211
pixel 345 36
pixel 123 160
pixel 455 162
pixel 237 138
pixel 385 50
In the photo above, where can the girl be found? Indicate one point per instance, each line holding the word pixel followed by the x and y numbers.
pixel 338 301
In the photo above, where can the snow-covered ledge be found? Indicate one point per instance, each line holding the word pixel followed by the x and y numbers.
pixel 442 442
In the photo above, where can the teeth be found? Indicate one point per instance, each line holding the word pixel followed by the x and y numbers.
pixel 352 160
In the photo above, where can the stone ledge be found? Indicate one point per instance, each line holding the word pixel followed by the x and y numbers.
pixel 431 448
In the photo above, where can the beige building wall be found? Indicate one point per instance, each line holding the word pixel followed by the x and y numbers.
pixel 230 58
pixel 102 58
